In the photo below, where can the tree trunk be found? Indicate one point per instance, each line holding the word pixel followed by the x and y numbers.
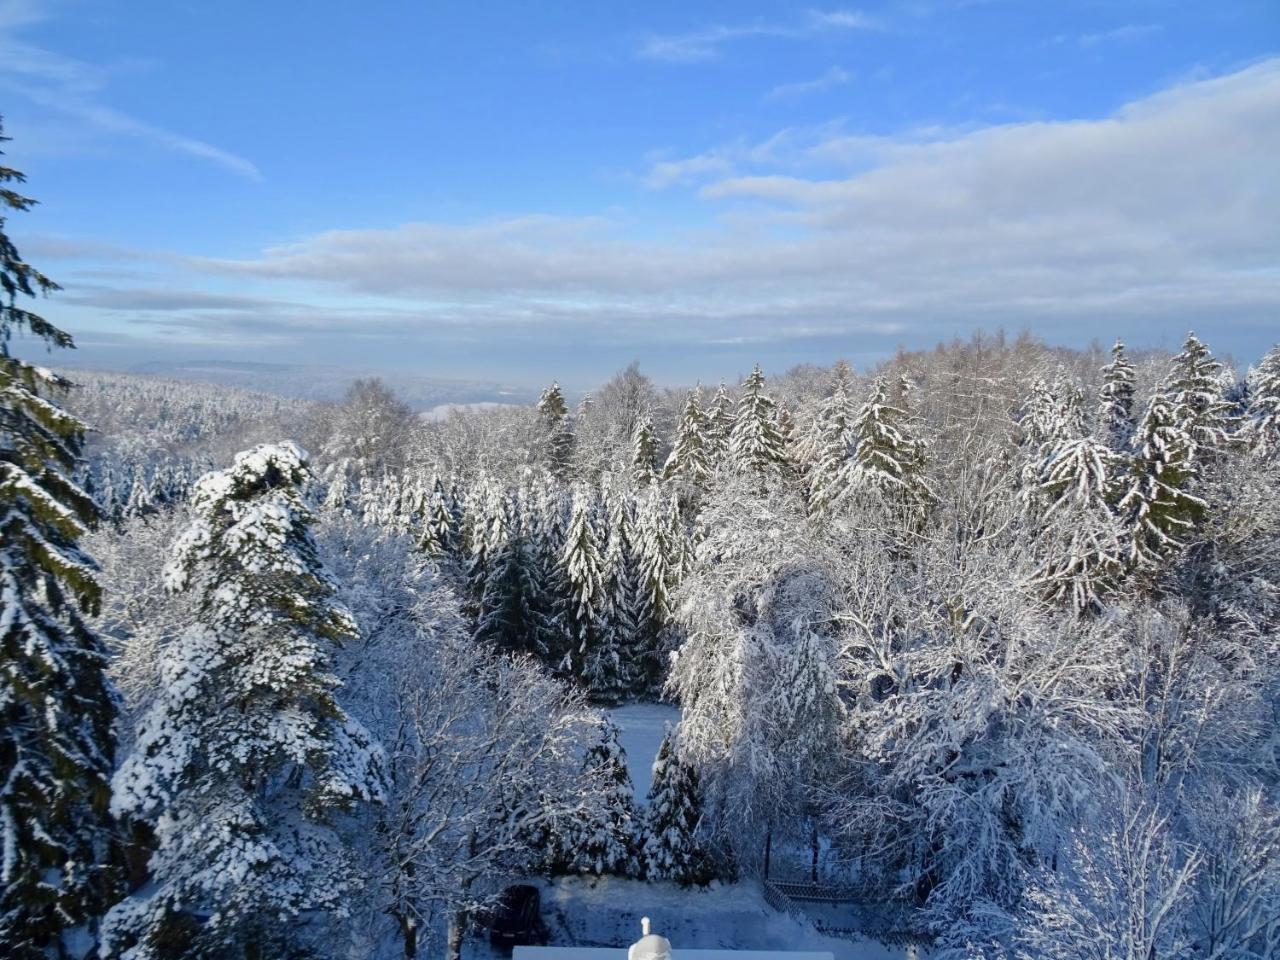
pixel 768 850
pixel 453 942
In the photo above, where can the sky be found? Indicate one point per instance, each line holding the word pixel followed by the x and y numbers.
pixel 520 191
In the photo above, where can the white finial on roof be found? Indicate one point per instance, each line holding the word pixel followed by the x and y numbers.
pixel 650 946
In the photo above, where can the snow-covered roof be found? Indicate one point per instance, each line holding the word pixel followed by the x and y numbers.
pixel 620 953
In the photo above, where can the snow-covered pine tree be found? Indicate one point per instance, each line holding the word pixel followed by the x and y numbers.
pixel 888 457
pixel 245 754
pixel 626 619
pixel 719 426
pixel 557 435
pixel 1196 387
pixel 439 532
pixel 832 441
pixel 671 849
pixel 56 707
pixel 1115 400
pixel 139 503
pixel 1262 426
pixel 1157 506
pixel 507 603
pixel 1080 546
pixel 756 445
pixel 644 453
pixel 583 572
pixel 604 840
pixel 688 463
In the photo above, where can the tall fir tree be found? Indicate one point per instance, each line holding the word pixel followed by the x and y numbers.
pixel 1196 387
pixel 508 609
pixel 1079 547
pixel 644 453
pixel 671 849
pixel 584 579
pixel 627 619
pixel 1115 400
pixel 439 526
pixel 831 444
pixel 756 445
pixel 1157 505
pixel 557 433
pixel 604 840
pixel 1262 425
pixel 245 754
pixel 888 456
pixel 689 461
pixel 56 706
pixel 719 426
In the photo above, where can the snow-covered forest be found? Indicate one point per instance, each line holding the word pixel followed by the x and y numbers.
pixel 989 633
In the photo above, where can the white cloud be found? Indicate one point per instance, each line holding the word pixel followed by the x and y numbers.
pixel 834 77
pixel 1165 213
pixel 74 89
pixel 705 42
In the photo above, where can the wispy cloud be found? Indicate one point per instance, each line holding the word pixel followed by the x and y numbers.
pixel 834 77
pixel 75 89
pixel 1128 33
pixel 705 43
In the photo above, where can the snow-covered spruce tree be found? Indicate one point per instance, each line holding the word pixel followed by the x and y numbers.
pixel 1115 400
pixel 644 453
pixel 1197 389
pixel 1262 426
pixel 439 532
pixel 755 443
pixel 888 457
pixel 671 848
pixel 245 756
pixel 719 425
pixel 833 444
pixel 1079 543
pixel 590 658
pixel 626 616
pixel 1156 505
pixel 139 503
pixel 557 436
pixel 56 707
pixel 507 609
pixel 603 839
pixel 688 463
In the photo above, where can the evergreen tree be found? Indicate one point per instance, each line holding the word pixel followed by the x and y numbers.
pixel 1195 386
pixel 550 590
pixel 1115 399
pixel 1262 427
pixel 644 453
pixel 671 849
pixel 557 435
pixel 887 456
pixel 833 443
pixel 719 426
pixel 604 840
pixel 584 579
pixel 627 607
pixel 56 707
pixel 756 444
pixel 507 604
pixel 245 753
pixel 139 503
pixel 688 462
pixel 1157 506
pixel 1080 543
pixel 439 528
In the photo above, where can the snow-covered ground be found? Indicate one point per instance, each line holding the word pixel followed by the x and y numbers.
pixel 640 730
pixel 606 912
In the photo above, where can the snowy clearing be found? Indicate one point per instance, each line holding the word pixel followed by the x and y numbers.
pixel 641 727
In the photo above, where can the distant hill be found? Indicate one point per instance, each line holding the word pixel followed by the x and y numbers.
pixel 316 382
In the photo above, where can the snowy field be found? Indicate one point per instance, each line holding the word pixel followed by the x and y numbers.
pixel 640 730
pixel 606 912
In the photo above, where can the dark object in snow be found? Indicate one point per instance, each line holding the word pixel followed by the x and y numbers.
pixel 517 918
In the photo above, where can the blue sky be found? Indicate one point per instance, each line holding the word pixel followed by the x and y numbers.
pixel 523 191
